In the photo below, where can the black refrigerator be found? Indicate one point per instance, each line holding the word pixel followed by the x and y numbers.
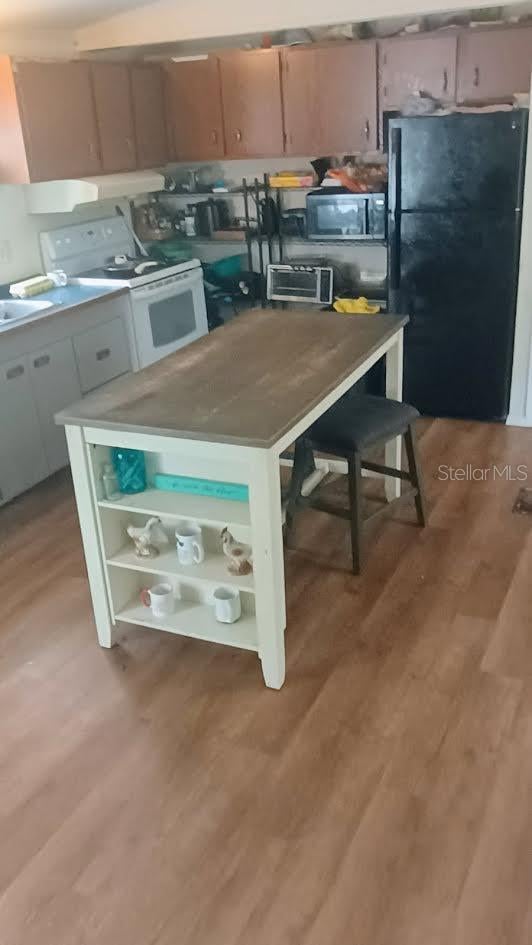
pixel 454 227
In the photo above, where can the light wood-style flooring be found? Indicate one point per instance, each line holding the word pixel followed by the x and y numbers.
pixel 159 794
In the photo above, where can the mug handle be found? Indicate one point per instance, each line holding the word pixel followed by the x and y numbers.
pixel 198 553
pixel 145 597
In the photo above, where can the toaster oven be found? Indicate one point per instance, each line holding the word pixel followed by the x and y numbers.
pixel 299 283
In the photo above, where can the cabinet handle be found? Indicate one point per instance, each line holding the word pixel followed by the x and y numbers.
pixel 214 136
pixel 366 129
pixel 445 80
pixel 92 149
pixel 41 361
pixel 238 135
pixel 13 372
pixel 129 144
pixel 385 91
pixel 476 77
pixel 103 354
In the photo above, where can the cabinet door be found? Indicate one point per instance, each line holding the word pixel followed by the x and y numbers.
pixel 492 65
pixel 55 383
pixel 414 64
pixel 22 457
pixel 194 107
pixel 58 119
pixel 147 89
pixel 347 83
pixel 102 353
pixel 300 100
pixel 251 99
pixel 114 113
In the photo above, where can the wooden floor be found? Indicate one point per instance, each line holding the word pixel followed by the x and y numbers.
pixel 159 794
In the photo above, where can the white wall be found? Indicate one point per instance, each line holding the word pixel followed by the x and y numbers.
pixel 521 391
pixel 20 254
pixel 167 21
pixel 49 44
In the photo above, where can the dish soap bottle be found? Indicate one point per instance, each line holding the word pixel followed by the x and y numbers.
pixel 130 469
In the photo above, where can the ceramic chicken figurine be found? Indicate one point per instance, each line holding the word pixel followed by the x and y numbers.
pixel 239 556
pixel 146 536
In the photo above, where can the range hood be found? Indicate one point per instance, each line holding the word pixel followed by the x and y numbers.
pixel 62 196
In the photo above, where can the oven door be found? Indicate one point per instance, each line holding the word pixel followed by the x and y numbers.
pixel 167 315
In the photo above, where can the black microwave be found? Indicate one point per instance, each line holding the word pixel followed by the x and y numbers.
pixel 334 213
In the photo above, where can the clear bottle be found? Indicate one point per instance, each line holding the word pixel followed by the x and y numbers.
pixel 190 220
pixel 110 483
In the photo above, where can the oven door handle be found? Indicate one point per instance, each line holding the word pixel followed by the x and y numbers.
pixel 160 290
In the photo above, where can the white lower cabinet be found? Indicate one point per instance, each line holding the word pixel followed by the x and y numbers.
pixel 58 362
pixel 55 382
pixel 22 456
pixel 102 353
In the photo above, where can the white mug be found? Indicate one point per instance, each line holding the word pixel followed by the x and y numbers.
pixel 160 599
pixel 227 607
pixel 189 543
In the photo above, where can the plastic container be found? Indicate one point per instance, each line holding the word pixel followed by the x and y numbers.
pixel 224 268
pixel 130 469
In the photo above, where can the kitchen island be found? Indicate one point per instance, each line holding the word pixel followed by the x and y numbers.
pixel 222 410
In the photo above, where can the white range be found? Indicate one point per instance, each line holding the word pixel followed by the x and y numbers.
pixel 168 307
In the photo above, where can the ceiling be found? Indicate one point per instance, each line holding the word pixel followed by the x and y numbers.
pixel 60 14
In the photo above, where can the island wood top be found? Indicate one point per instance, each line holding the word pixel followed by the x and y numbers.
pixel 247 383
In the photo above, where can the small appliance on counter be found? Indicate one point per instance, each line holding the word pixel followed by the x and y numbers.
pixel 212 215
pixel 294 222
pixel 299 282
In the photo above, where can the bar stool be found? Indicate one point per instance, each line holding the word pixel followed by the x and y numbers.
pixel 354 424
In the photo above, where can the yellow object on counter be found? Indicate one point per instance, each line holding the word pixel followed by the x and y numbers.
pixel 359 306
pixel 292 179
pixel 33 286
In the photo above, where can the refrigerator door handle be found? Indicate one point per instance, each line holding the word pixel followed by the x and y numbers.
pixel 394 234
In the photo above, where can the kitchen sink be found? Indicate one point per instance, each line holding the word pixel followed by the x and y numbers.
pixel 13 309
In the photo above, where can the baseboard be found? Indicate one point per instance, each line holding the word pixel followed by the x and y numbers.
pixel 513 421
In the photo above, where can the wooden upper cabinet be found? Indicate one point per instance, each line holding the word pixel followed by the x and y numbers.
pixel 251 101
pixel 416 64
pixel 494 63
pixel 330 98
pixel 114 113
pixel 194 106
pixel 300 100
pixel 347 84
pixel 48 121
pixel 147 90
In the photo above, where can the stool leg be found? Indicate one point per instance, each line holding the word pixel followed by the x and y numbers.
pixel 302 456
pixel 354 476
pixel 415 472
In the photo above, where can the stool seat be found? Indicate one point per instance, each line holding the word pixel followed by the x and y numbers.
pixel 358 421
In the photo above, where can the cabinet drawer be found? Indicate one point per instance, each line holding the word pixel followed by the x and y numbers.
pixel 102 353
